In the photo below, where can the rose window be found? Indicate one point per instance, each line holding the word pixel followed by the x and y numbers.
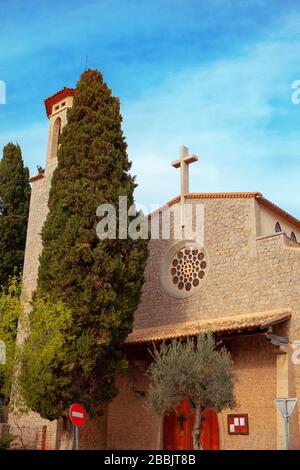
pixel 188 268
pixel 184 268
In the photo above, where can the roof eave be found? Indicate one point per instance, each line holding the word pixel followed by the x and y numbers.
pixel 257 322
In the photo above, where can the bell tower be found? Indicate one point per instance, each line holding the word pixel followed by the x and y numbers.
pixel 57 106
pixel 56 109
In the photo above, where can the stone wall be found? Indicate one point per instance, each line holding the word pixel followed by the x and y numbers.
pixel 37 215
pixel 132 426
pixel 247 274
pixel 33 432
pixel 255 368
pixel 93 435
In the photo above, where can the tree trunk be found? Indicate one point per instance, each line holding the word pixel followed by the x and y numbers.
pixel 197 431
pixel 158 440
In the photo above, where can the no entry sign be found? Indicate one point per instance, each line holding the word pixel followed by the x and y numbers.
pixel 77 414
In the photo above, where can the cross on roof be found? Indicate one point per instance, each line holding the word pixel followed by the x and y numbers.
pixel 183 163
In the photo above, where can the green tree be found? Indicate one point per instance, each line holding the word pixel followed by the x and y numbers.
pixel 44 359
pixel 200 371
pixel 14 206
pixel 10 312
pixel 98 280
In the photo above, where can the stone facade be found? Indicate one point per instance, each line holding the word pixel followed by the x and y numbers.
pixel 251 269
pixel 248 272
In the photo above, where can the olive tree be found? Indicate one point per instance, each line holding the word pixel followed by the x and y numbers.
pixel 197 369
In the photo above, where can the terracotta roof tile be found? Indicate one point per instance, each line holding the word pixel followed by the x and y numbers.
pixel 176 199
pixel 238 195
pixel 235 324
pixel 59 95
pixel 36 177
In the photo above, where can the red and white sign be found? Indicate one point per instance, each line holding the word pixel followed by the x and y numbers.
pixel 77 414
pixel 238 424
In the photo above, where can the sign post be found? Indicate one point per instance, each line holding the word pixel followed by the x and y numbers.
pixel 286 407
pixel 77 416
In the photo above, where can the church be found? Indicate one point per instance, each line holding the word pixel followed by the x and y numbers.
pixel 242 283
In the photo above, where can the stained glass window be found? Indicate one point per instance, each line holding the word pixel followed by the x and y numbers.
pixel 188 268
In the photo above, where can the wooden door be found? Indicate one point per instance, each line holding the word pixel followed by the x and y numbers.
pixel 178 428
pixel 210 439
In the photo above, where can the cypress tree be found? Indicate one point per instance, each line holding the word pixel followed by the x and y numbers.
pixel 98 280
pixel 14 207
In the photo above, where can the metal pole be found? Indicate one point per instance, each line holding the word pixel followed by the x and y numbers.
pixel 286 425
pixel 76 438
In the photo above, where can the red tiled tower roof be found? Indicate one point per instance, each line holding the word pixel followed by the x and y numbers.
pixel 58 96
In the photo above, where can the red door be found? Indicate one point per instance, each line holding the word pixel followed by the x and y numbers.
pixel 178 428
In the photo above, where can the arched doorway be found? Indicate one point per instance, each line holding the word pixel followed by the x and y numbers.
pixel 178 428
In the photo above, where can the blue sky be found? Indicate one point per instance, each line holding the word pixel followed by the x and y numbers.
pixel 212 75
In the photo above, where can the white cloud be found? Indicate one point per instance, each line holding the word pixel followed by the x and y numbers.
pixel 235 113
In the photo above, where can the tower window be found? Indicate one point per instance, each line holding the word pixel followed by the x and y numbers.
pixel 278 227
pixel 293 237
pixel 55 137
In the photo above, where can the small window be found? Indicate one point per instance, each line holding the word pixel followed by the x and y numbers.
pixel 63 104
pixel 56 131
pixel 56 107
pixel 293 237
pixel 278 227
